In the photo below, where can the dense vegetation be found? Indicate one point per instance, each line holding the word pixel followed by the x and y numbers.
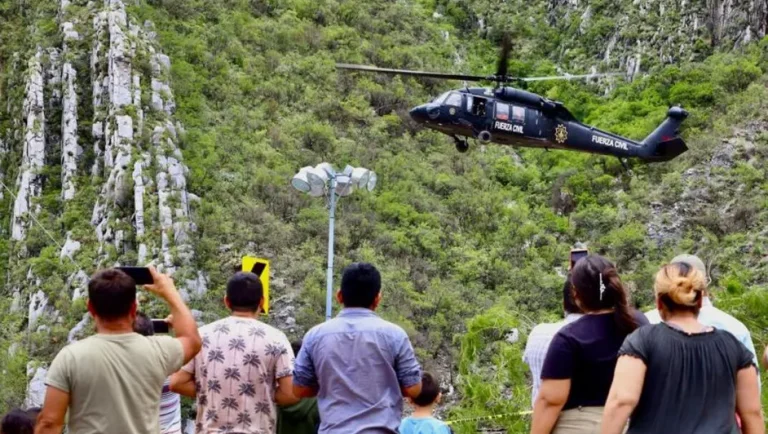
pixel 471 246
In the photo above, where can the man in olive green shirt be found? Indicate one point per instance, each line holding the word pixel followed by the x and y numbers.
pixel 110 382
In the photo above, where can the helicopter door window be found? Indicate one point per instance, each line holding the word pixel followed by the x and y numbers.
pixel 502 111
pixel 479 107
pixel 518 114
pixel 454 99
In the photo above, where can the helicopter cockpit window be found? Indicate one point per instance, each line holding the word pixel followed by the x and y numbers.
pixel 441 98
pixel 502 111
pixel 454 99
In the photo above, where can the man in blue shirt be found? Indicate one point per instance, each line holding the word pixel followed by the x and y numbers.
pixel 358 365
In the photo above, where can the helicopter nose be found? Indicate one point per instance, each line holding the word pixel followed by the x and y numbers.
pixel 419 113
pixel 425 113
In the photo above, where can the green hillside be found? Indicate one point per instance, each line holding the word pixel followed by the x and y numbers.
pixel 471 246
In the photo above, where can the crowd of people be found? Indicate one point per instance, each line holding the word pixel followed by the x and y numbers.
pixel 685 367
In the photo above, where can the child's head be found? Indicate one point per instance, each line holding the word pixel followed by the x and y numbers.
pixel 430 391
pixel 17 421
pixel 296 346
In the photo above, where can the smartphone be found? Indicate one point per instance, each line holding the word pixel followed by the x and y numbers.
pixel 160 326
pixel 140 275
pixel 577 254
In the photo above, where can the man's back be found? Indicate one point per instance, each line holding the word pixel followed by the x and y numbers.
pixel 359 363
pixel 711 316
pixel 114 381
pixel 536 349
pixel 235 374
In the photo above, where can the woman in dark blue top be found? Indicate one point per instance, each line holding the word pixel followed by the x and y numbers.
pixel 578 369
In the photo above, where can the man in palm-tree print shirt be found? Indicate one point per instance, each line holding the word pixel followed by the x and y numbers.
pixel 242 359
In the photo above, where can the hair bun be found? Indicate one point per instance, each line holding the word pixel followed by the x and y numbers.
pixel 682 291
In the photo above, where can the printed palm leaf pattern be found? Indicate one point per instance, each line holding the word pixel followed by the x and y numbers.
pixel 247 389
pixel 211 415
pixel 244 418
pixel 202 399
pixel 228 428
pixel 221 329
pixel 232 374
pixel 275 349
pixel 206 341
pixel 257 331
pixel 216 356
pixel 251 359
pixel 262 407
pixel 237 344
pixel 229 404
pixel 199 427
pixel 214 386
pixel 264 378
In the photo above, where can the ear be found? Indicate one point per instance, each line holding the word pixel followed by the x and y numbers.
pixel 439 398
pixel 260 309
pixel 227 303
pixel 339 297
pixel 376 301
pixel 134 309
pixel 701 300
pixel 91 310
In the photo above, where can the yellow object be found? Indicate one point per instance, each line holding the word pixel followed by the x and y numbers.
pixel 260 267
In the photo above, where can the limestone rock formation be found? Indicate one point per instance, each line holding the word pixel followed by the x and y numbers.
pixel 122 168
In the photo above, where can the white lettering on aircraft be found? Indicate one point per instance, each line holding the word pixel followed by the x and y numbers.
pixel 508 127
pixel 607 141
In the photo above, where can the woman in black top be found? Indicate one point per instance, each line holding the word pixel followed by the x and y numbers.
pixel 578 369
pixel 681 376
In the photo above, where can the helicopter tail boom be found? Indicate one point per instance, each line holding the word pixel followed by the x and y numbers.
pixel 664 143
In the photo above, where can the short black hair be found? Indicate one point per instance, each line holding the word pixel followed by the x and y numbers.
pixel 569 305
pixel 360 285
pixel 143 325
pixel 17 421
pixel 244 292
pixel 430 390
pixel 112 293
pixel 296 346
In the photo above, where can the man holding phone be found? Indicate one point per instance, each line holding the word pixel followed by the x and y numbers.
pixel 109 382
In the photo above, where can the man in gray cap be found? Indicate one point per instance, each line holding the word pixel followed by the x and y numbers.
pixel 710 315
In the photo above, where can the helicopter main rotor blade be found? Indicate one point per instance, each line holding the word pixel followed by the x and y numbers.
pixel 570 77
pixel 441 75
pixel 503 65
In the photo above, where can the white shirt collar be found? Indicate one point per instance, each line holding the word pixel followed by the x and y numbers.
pixel 571 317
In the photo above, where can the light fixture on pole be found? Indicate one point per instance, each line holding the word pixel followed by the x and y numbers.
pixel 323 180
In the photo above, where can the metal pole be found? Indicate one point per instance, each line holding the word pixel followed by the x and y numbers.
pixel 329 276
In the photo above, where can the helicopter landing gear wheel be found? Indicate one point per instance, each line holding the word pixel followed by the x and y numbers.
pixel 484 136
pixel 461 144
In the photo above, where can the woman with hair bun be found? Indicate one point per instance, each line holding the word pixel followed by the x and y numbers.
pixel 578 369
pixel 679 375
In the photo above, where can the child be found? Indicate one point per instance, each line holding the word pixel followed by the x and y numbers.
pixel 422 421
pixel 17 421
pixel 302 417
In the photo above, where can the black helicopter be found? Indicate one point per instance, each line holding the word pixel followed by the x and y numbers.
pixel 512 116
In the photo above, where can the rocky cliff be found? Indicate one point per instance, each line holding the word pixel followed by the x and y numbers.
pixel 100 178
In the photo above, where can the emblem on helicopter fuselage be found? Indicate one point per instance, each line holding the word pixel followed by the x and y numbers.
pixel 561 134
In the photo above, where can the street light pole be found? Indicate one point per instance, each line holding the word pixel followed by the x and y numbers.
pixel 329 274
pixel 323 180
